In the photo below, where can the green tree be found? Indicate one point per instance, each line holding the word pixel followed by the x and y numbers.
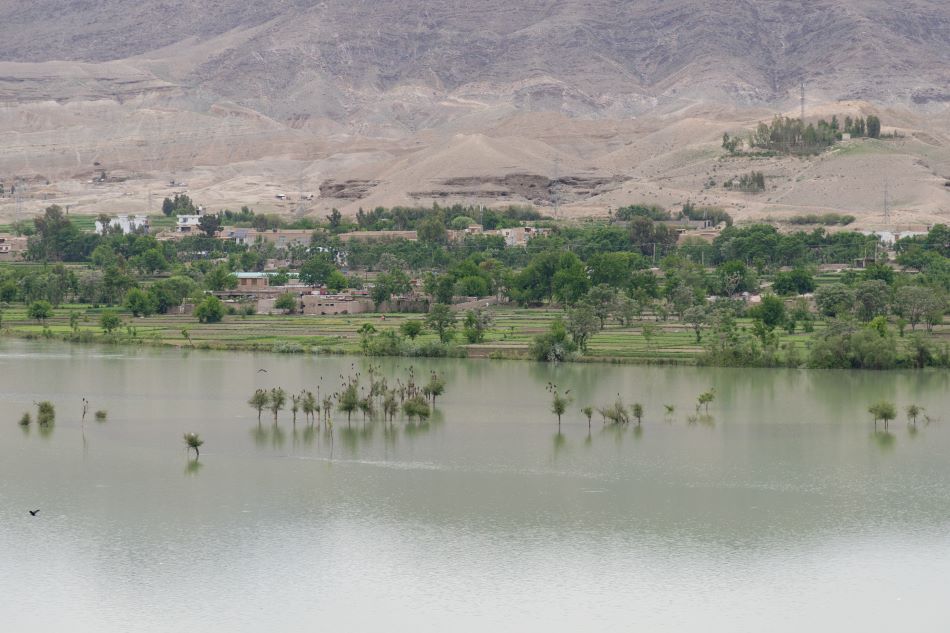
pixel 317 270
pixel 286 302
pixel 798 281
pixel 559 406
pixel 696 318
pixel 871 299
pixel 705 398
pixel 40 310
pixel 882 410
pixel 109 321
pixel 140 303
pixel 432 230
pixel 336 281
pixel 913 411
pixel 834 300
pixel 771 311
pixel 194 442
pixel 434 388
pixel 553 346
pixel 278 398
pixel 637 411
pixel 411 328
pixel 582 323
pixel 588 411
pixel 259 402
pixel 210 224
pixel 476 324
pixel 220 278
pixel 441 320
pixel 349 400
pixel 913 303
pixel 210 310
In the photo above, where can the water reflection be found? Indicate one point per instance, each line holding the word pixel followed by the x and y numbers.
pixel 885 440
pixel 193 467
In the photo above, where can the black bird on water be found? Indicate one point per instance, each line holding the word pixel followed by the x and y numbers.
pixel 262 370
pixel 33 513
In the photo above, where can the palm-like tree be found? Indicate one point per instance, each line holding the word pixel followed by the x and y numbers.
pixel 194 441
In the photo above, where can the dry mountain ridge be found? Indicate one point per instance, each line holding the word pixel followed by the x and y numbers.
pixel 443 100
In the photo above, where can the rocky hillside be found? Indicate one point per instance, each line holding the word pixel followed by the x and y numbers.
pixel 595 103
pixel 303 58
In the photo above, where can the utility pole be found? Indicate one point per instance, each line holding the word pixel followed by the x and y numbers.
pixel 556 188
pixel 803 102
pixel 887 211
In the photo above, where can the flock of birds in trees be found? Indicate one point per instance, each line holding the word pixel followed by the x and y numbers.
pixel 371 396
pixel 618 413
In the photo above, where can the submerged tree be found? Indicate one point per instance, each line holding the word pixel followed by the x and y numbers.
pixel 882 410
pixel 435 387
pixel 588 411
pixel 277 401
pixel 416 407
pixel 704 399
pixel 637 411
pixel 349 400
pixel 259 401
pixel 559 405
pixel 294 407
pixel 193 441
pixel 46 413
pixel 913 411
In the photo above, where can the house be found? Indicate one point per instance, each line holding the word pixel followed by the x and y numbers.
pixel 127 223
pixel 12 247
pixel 519 235
pixel 188 223
pixel 335 304
pixel 248 281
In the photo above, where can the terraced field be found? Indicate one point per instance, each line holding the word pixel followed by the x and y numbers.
pixel 510 337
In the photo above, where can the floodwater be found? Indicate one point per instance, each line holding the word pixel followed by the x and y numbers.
pixel 782 510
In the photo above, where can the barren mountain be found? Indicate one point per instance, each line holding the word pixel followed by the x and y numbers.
pixel 595 103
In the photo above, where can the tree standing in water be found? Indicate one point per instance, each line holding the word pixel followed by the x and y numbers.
pixel 194 441
pixel 637 411
pixel 705 398
pixel 588 411
pixel 259 401
pixel 882 410
pixel 277 401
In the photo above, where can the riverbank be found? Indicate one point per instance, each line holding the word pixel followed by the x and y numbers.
pixel 510 336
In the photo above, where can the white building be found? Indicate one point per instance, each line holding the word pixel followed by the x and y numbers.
pixel 128 224
pixel 187 223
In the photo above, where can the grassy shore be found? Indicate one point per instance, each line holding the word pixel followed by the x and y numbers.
pixel 514 328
